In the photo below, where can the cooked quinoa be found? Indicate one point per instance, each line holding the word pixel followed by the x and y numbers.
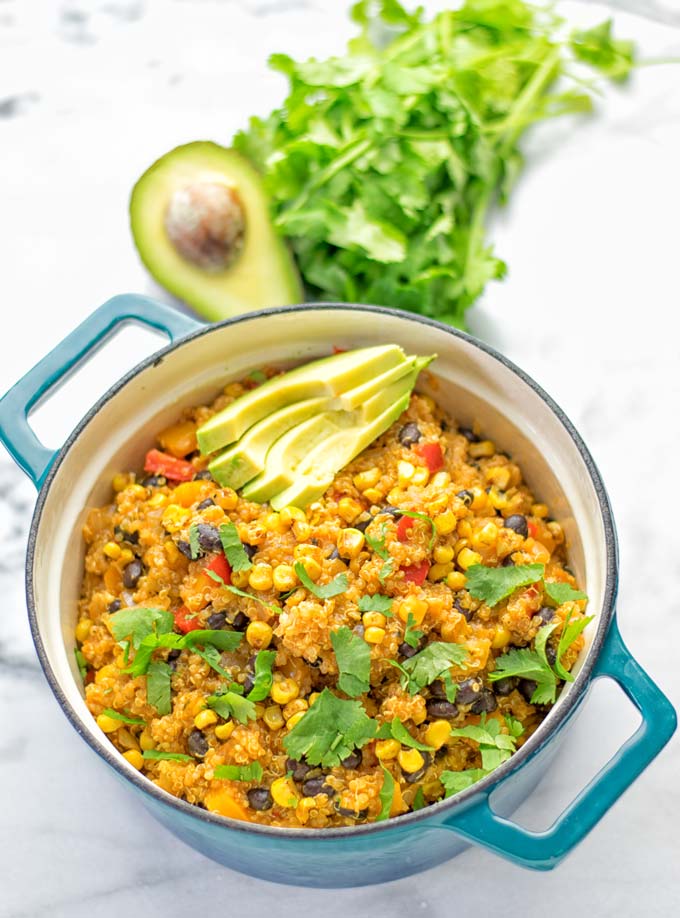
pixel 474 510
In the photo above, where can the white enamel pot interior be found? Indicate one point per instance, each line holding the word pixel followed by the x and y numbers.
pixel 471 382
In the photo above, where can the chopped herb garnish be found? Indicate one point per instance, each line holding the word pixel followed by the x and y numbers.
pixel 227 703
pixel 562 592
pixel 329 731
pixel 258 376
pixel 81 662
pixel 493 584
pixel 235 590
pixel 395 729
pixel 156 754
pixel 425 519
pixel 386 570
pixel 570 631
pixel 212 657
pixel 386 795
pixel 223 640
pixel 158 692
pixel 418 800
pixel 412 635
pixel 252 772
pixel 194 541
pixel 138 623
pixel 430 664
pixel 125 718
pixel 376 603
pixel 456 781
pixel 495 747
pixel 378 546
pixel 233 548
pixel 264 662
pixel 337 585
pixel 353 656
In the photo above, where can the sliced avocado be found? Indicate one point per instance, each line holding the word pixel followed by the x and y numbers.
pixel 200 220
pixel 245 459
pixel 358 396
pixel 329 376
pixel 316 473
pixel 288 451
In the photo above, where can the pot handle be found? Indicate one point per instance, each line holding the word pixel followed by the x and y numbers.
pixel 544 850
pixel 22 443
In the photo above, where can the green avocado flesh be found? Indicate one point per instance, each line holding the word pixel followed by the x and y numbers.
pixel 329 377
pixel 200 221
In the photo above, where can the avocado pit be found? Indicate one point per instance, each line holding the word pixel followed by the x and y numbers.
pixel 206 224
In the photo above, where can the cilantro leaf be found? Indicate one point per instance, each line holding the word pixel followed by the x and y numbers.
pixel 212 657
pixel 386 570
pixel 228 703
pixel 137 623
pixel 571 630
pixel 412 635
pixel 376 603
pixel 456 781
pixel 562 592
pixel 252 772
pixel 81 662
pixel 598 48
pixel 495 747
pixel 353 656
pixel 337 585
pixel 493 584
pixel 237 592
pixel 329 731
pixel 125 718
pixel 264 662
pixel 395 729
pixel 158 692
pixel 223 640
pixel 194 541
pixel 158 755
pixel 386 795
pixel 378 545
pixel 418 800
pixel 425 519
pixel 233 548
pixel 430 664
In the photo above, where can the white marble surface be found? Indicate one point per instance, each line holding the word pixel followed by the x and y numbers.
pixel 90 92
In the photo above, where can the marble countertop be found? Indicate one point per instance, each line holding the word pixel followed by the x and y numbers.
pixel 90 93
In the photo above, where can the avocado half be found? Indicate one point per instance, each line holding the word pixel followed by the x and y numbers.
pixel 200 220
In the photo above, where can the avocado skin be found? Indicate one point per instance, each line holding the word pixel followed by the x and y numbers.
pixel 263 274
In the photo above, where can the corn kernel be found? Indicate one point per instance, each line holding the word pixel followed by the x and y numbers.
pixel 227 499
pixel 112 550
pixel 259 635
pixel 374 495
pixel 405 471
pixel 439 571
pixel 459 545
pixel 312 698
pixel 224 731
pixel 172 552
pixel 445 522
pixel 108 724
pixel 125 739
pixel 443 554
pixel 106 673
pixel 273 717
pixel 412 606
pixel 312 567
pixel 137 491
pixel 466 558
pixel 191 492
pixel 497 499
pixel 349 509
pixel 284 690
pixel 295 719
pixel 450 631
pixel 126 556
pixel 294 707
pixel 259 710
pixel 304 809
pixel 205 719
pixel 175 517
pixel 302 530
pixel 135 758
pixel 350 542
pixel 483 449
pixel 479 498
pixel 498 475
pixel 284 577
pixel 290 515
pixel 367 479
pixel 539 510
pixel 441 480
pixel 261 578
pixel 485 537
pixel 146 741
pixel 410 760
pixel 437 505
pixel 272 523
pixel 456 580
pixel 501 638
pixel 240 579
pixel 158 500
pixel 83 629
pixel 120 481
pixel 437 733
pixel 464 529
pixel 284 792
pixel 556 532
pixel 179 440
pixel 387 749
pixel 374 635
pixel 373 620
pixel 421 476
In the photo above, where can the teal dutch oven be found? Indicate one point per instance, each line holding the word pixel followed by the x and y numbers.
pixel 473 383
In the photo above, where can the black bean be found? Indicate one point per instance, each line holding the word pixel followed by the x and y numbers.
pixel 185 548
pixel 504 686
pixel 240 622
pixel 527 687
pixel 299 770
pixel 359 630
pixel 197 743
pixel 259 798
pixel 203 475
pixel 389 510
pixel 407 651
pixel 248 683
pixel 122 535
pixel 545 614
pixel 209 537
pixel 518 523
pixel 353 760
pixel 551 653
pixel 155 481
pixel 508 562
pixel 204 504
pixel 459 607
pixel 468 690
pixel 409 434
pixel 250 550
pixel 314 786
pixel 363 524
pixel 344 811
pixel 216 621
pixel 174 654
pixel 131 574
pixel 436 708
pixel 485 703
pixel 114 606
pixel 469 434
pixel 412 776
pixel 437 689
pixel 466 496
pixel 334 555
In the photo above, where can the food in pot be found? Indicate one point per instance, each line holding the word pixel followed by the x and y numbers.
pixel 383 648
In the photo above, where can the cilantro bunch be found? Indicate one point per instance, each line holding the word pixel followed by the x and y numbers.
pixel 382 164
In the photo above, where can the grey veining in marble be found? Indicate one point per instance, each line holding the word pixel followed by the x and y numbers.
pixel 90 94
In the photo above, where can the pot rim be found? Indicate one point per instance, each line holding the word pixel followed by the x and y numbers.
pixel 536 741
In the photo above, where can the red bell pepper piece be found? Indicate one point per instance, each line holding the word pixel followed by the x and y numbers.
pixel 185 620
pixel 220 566
pixel 417 573
pixel 405 523
pixel 432 454
pixel 339 350
pixel 159 463
pixel 533 529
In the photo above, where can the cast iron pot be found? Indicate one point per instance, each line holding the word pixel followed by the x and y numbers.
pixel 473 383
